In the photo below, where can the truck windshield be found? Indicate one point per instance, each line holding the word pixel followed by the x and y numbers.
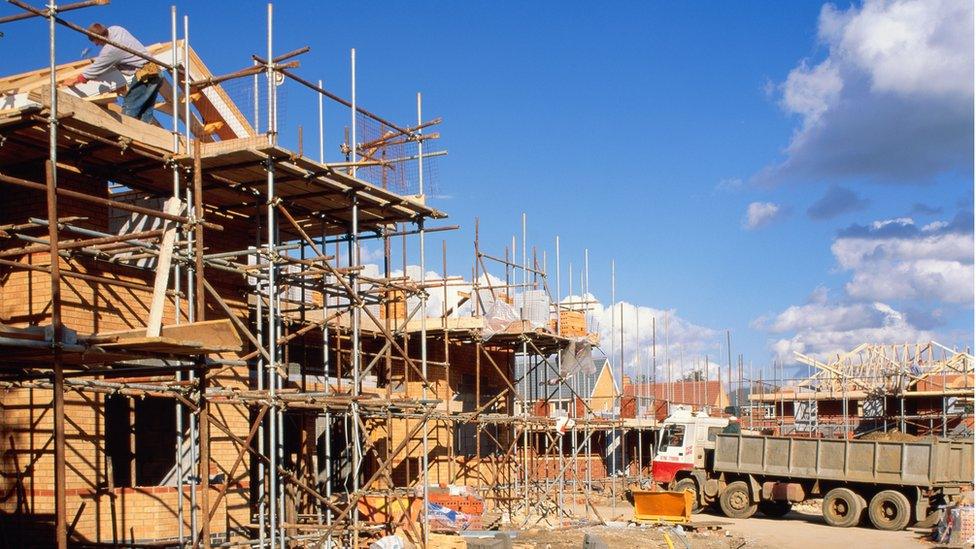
pixel 673 436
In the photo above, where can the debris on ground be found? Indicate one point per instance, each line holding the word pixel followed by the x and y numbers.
pixel 889 436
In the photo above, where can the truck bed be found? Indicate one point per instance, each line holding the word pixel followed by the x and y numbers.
pixel 917 463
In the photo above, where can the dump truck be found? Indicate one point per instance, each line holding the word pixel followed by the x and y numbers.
pixel 894 484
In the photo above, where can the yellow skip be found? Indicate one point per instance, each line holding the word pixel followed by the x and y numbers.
pixel 673 507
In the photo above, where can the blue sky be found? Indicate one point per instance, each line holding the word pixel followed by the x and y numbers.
pixel 644 130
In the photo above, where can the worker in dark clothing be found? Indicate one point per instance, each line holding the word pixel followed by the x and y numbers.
pixel 733 428
pixel 143 77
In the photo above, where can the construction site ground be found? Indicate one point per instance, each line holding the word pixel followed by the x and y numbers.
pixel 801 529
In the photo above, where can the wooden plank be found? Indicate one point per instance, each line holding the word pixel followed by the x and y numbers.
pixel 212 335
pixel 216 335
pixel 227 146
pixel 161 345
pixel 173 206
pixel 117 124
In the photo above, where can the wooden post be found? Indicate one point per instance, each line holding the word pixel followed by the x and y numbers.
pixel 60 497
pixel 155 322
pixel 200 309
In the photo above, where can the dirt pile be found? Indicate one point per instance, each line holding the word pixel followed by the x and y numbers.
pixel 889 436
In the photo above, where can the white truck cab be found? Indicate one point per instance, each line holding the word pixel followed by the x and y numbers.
pixel 683 439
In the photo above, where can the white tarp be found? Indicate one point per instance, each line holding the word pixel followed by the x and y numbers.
pixel 500 316
pixel 576 357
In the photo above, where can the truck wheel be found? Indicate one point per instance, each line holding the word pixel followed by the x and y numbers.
pixel 735 501
pixel 775 509
pixel 689 485
pixel 889 510
pixel 842 507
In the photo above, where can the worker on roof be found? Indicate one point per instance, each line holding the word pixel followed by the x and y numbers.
pixel 733 428
pixel 143 77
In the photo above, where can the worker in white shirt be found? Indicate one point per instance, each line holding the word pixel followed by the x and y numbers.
pixel 143 77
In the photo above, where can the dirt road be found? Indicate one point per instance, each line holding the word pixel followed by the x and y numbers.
pixel 800 529
pixel 803 529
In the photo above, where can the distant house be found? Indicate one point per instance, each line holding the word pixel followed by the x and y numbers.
pixel 603 394
pixel 919 388
pixel 653 399
pixel 550 397
pixel 604 399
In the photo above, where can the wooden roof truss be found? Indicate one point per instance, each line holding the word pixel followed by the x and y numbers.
pixel 885 369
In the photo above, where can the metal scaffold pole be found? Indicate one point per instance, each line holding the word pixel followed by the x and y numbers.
pixel 261 369
pixel 353 252
pixel 559 368
pixel 640 386
pixel 423 329
pixel 270 254
pixel 180 441
pixel 588 413
pixel 60 498
pixel 613 354
pixel 525 377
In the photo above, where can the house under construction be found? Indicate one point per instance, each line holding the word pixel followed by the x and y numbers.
pixel 194 352
pixel 916 389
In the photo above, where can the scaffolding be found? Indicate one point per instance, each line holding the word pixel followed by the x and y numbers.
pixel 262 326
pixel 315 401
pixel 917 388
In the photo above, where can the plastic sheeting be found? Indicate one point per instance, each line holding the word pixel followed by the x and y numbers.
pixel 576 357
pixel 500 316
pixel 442 517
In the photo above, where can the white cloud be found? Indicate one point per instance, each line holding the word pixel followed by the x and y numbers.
pixel 825 316
pixel 759 214
pixel 948 281
pixel 820 294
pixel 895 260
pixel 649 335
pixel 902 277
pixel 811 91
pixel 892 100
pixel 907 47
pixel 824 329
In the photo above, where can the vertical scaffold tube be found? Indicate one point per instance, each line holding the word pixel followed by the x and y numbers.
pixel 180 441
pixel 60 497
pixel 353 252
pixel 423 325
pixel 271 314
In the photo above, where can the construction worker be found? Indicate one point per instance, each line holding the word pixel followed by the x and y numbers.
pixel 733 428
pixel 143 77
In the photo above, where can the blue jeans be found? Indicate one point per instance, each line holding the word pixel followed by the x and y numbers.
pixel 139 100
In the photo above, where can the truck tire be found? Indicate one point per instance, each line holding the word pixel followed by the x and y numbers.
pixel 690 485
pixel 842 508
pixel 735 501
pixel 775 509
pixel 890 510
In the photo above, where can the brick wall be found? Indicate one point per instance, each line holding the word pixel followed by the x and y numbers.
pixel 548 467
pixel 455 388
pixel 97 513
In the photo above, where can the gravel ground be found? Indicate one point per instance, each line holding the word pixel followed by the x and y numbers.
pixel 801 529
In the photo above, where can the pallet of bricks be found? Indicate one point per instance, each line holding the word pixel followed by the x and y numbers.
pixel 956 528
